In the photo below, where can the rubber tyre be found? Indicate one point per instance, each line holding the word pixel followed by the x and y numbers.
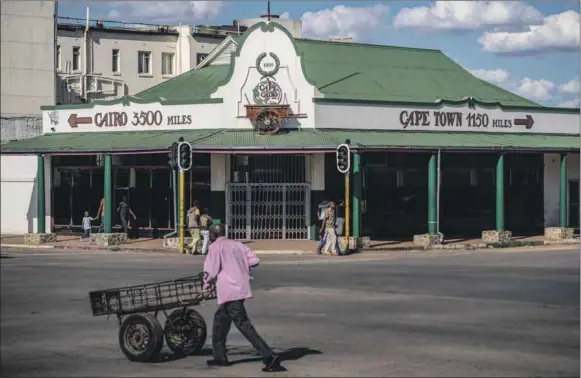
pixel 133 330
pixel 190 336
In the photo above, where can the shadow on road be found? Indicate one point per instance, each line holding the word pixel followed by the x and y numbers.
pixel 291 354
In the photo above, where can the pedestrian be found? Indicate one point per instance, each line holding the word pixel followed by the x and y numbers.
pixel 193 216
pixel 205 223
pixel 101 214
pixel 124 212
pixel 228 265
pixel 329 223
pixel 87 225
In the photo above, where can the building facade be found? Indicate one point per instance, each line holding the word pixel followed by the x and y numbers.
pixel 434 149
pixel 28 81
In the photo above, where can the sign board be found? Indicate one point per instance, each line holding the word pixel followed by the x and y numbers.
pixel 137 117
pixel 446 119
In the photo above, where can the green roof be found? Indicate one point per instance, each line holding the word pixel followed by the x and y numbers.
pixel 194 85
pixel 296 140
pixel 361 72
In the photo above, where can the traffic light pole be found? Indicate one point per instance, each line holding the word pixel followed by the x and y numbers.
pixel 347 209
pixel 181 217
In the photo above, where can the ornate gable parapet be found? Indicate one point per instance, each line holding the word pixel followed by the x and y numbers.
pixel 266 71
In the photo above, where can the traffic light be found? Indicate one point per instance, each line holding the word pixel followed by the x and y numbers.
pixel 343 158
pixel 185 156
pixel 173 156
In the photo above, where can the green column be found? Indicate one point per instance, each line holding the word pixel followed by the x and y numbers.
pixel 107 222
pixel 432 195
pixel 357 190
pixel 40 193
pixel 563 193
pixel 500 193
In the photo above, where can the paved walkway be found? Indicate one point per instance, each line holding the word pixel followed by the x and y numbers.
pixel 298 246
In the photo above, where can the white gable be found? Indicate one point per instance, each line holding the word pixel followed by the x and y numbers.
pixel 223 58
pixel 267 70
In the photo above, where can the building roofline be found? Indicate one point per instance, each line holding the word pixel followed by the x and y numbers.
pixel 442 102
pixel 321 41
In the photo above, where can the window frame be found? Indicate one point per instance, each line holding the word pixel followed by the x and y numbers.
pixel 118 70
pixel 75 57
pixel 171 57
pixel 140 55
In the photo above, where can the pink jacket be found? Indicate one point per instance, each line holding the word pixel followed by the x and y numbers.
pixel 228 262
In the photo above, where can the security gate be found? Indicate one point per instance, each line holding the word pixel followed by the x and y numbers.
pixel 268 211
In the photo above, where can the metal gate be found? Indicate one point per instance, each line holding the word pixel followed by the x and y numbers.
pixel 268 211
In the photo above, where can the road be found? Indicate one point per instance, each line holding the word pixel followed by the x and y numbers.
pixel 491 313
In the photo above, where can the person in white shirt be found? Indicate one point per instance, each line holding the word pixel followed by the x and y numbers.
pixel 87 225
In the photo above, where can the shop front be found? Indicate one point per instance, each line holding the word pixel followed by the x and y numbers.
pixel 427 159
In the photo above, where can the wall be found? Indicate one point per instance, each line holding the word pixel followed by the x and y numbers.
pixel 101 43
pixel 552 184
pixel 27 66
pixel 18 211
pixel 295 90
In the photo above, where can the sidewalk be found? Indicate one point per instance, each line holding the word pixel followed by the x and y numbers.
pixel 272 246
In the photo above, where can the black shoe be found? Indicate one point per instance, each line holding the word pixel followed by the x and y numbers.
pixel 218 362
pixel 272 364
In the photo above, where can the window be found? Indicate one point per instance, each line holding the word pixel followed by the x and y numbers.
pixel 167 63
pixel 76 58
pixel 144 62
pixel 200 58
pixel 115 61
pixel 58 58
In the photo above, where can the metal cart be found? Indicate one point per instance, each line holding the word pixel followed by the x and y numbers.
pixel 140 332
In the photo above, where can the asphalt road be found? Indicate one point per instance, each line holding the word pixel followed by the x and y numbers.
pixel 493 313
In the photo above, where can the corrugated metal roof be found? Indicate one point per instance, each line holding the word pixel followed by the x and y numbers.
pixel 190 86
pixel 248 140
pixel 352 71
pixel 457 140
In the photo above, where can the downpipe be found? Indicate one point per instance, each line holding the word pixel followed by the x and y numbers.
pixel 438 197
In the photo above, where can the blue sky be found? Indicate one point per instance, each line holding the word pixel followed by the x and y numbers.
pixel 530 48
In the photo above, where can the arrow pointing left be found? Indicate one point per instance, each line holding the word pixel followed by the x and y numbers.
pixel 74 121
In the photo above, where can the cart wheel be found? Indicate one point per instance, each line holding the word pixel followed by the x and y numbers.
pixel 185 334
pixel 141 337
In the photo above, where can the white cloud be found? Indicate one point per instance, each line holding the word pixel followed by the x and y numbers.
pixel 285 15
pixel 558 32
pixel 166 11
pixel 497 76
pixel 571 86
pixel 570 104
pixel 341 21
pixel 536 89
pixel 463 15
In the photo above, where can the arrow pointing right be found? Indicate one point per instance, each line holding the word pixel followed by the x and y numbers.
pixel 527 122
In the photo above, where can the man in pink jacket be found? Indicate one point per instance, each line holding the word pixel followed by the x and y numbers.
pixel 228 264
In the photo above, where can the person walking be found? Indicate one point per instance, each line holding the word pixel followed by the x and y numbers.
pixel 87 225
pixel 193 216
pixel 329 224
pixel 124 212
pixel 205 223
pixel 228 266
pixel 101 214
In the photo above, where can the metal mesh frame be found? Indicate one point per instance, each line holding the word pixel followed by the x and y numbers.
pixel 187 291
pixel 268 211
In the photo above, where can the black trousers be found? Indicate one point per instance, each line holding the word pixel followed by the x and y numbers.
pixel 235 312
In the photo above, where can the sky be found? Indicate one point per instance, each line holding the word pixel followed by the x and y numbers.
pixel 530 48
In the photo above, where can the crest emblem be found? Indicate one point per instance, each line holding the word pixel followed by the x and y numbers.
pixel 267 91
pixel 54 117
